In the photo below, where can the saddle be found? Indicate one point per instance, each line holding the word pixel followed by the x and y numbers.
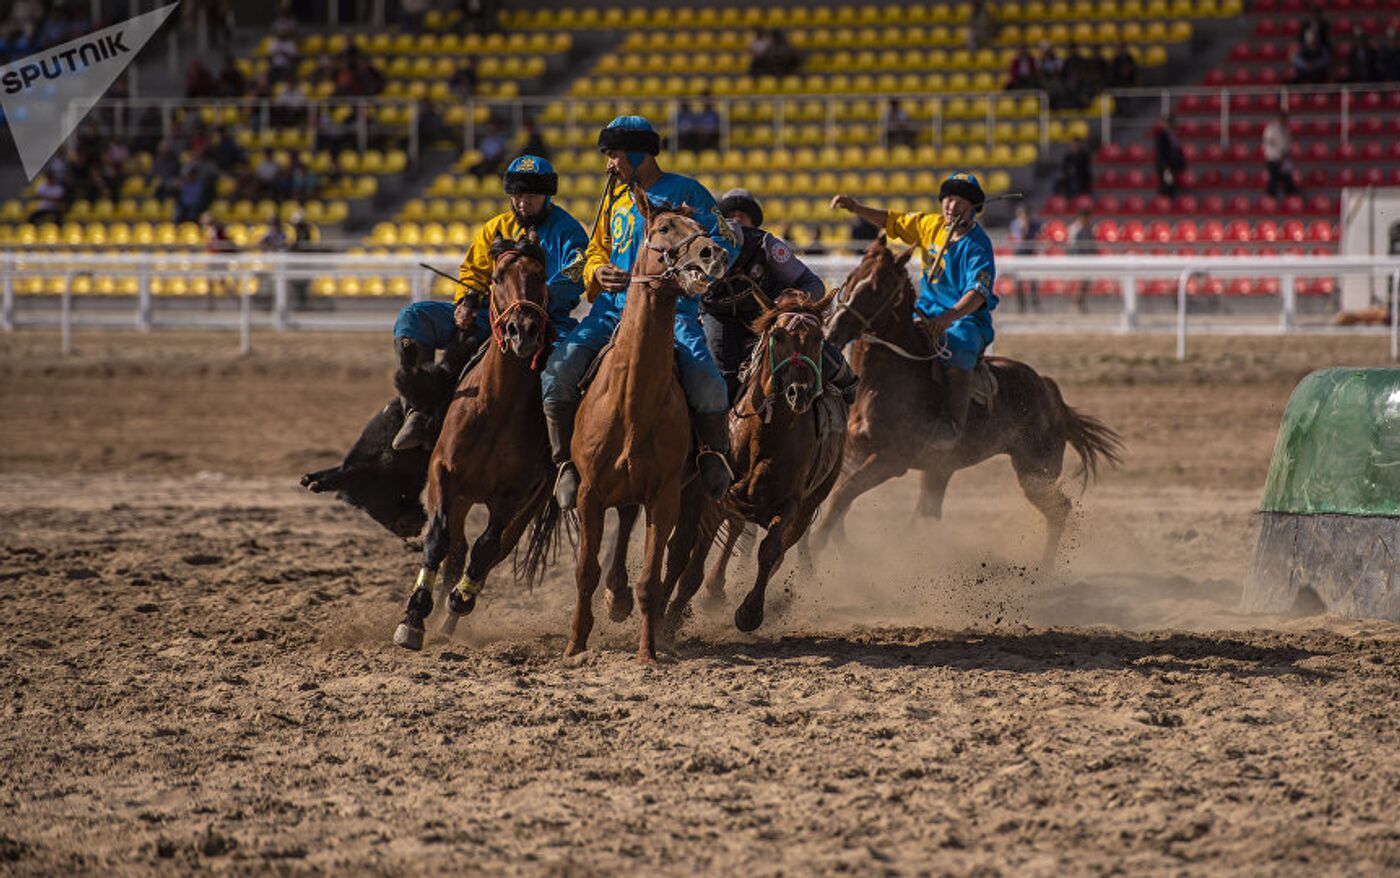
pixel 984 381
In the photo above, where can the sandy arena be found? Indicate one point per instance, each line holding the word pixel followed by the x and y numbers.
pixel 198 675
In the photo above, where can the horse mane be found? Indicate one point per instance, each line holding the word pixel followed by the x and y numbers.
pixel 788 302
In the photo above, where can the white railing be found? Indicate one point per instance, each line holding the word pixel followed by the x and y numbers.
pixel 275 273
pixel 1139 108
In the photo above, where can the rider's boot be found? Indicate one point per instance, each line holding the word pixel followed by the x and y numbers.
pixel 839 372
pixel 559 418
pixel 415 359
pixel 957 394
pixel 712 429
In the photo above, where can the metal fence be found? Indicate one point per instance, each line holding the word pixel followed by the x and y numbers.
pixel 264 288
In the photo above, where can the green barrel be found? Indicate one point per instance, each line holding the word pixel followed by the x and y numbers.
pixel 1330 517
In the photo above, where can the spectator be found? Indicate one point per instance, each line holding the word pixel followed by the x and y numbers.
pixel 1123 72
pixel 1169 159
pixel 289 106
pixel 785 58
pixel 493 151
pixel 282 58
pixel 707 125
pixel 534 141
pixel 216 240
pixel 412 12
pixel 1364 61
pixel 231 83
pixel 53 199
pixel 464 78
pixel 226 152
pixel 333 132
pixel 275 238
pixel 305 182
pixel 193 196
pixel 899 129
pixel 815 247
pixel 1077 76
pixel 760 53
pixel 982 26
pixel 1024 232
pixel 1389 55
pixel 1076 171
pixel 687 136
pixel 1317 25
pixel 302 231
pixel 264 177
pixel 165 170
pixel 1311 60
pixel 1278 148
pixel 199 82
pixel 432 128
pixel 1023 71
pixel 1051 66
pixel 1080 237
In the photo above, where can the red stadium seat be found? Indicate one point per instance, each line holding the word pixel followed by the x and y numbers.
pixel 1135 232
pixel 1056 204
pixel 1345 152
pixel 1187 231
pixel 1082 203
pixel 1346 177
pixel 1267 204
pixel 1318 152
pixel 1110 204
pixel 1109 178
pixel 1161 205
pixel 1266 230
pixel 1293 205
pixel 1239 205
pixel 1056 232
pixel 1107 232
pixel 1111 152
pixel 1320 230
pixel 1213 231
pixel 1214 204
pixel 1188 205
pixel 1238 286
pixel 1293 231
pixel 1160 231
pixel 1373 152
pixel 1137 153
pixel 1266 286
pixel 1321 204
pixel 1374 177
pixel 1134 205
pixel 1211 152
pixel 1238 230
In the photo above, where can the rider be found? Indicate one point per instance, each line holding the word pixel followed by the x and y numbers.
pixel 956 295
pixel 631 145
pixel 768 262
pixel 460 328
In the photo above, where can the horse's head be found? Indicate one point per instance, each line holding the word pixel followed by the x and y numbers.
pixel 871 293
pixel 788 356
pixel 677 247
pixel 519 296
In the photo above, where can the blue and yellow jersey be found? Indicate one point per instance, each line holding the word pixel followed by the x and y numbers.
pixel 619 234
pixel 564 242
pixel 966 265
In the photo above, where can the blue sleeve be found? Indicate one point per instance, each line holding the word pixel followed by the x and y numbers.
pixel 566 274
pixel 981 270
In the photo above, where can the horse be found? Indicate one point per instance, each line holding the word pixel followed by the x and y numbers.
pixel 492 448
pixel 632 435
pixel 787 432
pixel 895 408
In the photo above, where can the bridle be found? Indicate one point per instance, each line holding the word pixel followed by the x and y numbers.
pixel 498 318
pixel 669 256
pixel 792 322
pixel 845 304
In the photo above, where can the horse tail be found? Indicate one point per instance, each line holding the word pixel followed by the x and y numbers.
pixel 1094 441
pixel 542 546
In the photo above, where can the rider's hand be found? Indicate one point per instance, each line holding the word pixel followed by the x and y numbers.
pixel 612 278
pixel 464 315
pixel 939 325
pixel 844 202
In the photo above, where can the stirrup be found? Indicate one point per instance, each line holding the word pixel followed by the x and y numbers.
pixel 723 458
pixel 565 500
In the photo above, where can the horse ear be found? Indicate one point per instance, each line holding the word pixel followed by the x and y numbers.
pixel 639 197
pixel 499 246
pixel 825 301
pixel 903 259
pixel 881 239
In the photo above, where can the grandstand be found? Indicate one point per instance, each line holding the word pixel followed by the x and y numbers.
pixel 878 99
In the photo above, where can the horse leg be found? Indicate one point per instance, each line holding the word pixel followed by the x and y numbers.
pixel 1039 475
pixel 684 539
pixel 934 484
pixel 689 578
pixel 590 539
pixel 444 531
pixel 874 470
pixel 619 596
pixel 661 521
pixel 749 615
pixel 714 582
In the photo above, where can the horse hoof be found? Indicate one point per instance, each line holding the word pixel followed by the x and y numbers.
pixel 408 638
pixel 646 659
pixel 458 605
pixel 747 618
pixel 619 605
pixel 449 624
pixel 573 649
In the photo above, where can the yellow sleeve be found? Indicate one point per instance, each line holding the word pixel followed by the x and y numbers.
pixel 598 254
pixel 476 267
pixel 913 228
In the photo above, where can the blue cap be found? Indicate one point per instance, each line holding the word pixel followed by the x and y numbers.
pixel 531 174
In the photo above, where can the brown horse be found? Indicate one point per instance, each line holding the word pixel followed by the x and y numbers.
pixel 787 431
pixel 897 403
pixel 632 432
pixel 492 448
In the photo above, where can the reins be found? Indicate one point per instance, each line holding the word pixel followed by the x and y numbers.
pixel 789 321
pixel 845 305
pixel 498 319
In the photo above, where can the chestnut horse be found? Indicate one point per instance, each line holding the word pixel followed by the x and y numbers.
pixel 900 395
pixel 787 431
pixel 632 436
pixel 493 448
